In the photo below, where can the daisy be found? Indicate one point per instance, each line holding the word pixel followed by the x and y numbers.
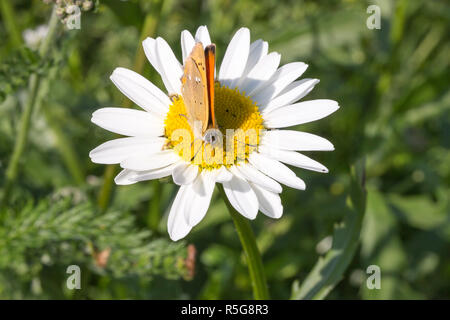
pixel 252 92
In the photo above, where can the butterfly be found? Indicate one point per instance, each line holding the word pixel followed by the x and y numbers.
pixel 197 90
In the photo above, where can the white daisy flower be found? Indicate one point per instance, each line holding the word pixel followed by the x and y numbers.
pixel 251 92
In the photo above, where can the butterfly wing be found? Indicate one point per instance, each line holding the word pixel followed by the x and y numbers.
pixel 194 88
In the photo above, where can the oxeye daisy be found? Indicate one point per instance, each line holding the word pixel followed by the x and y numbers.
pixel 252 93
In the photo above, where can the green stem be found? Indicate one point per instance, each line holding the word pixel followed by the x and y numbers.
pixel 154 207
pixel 254 261
pixel 104 195
pixel 65 147
pixel 55 121
pixel 25 119
pixel 149 28
pixel 9 19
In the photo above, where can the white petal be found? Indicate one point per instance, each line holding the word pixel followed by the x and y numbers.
pixel 223 175
pixel 187 44
pixel 149 46
pixel 176 224
pixel 141 91
pixel 202 35
pixel 263 70
pixel 296 140
pixel 235 59
pixel 254 175
pixel 276 170
pixel 293 92
pixel 241 197
pixel 258 50
pixel 300 113
pixel 282 78
pixel 171 69
pixel 269 202
pixel 184 173
pixel 155 173
pixel 293 158
pixel 117 150
pixel 125 177
pixel 150 161
pixel 198 204
pixel 128 122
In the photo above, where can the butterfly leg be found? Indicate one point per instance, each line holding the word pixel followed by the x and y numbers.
pixel 195 154
pixel 173 97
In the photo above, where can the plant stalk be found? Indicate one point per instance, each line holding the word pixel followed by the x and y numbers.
pixel 25 119
pixel 154 215
pixel 254 261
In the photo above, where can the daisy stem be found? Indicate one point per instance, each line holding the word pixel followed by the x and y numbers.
pixel 148 29
pixel 254 261
pixel 25 119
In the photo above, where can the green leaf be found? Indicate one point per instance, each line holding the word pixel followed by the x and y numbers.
pixel 382 246
pixel 329 269
pixel 420 211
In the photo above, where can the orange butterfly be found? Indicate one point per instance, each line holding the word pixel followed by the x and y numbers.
pixel 197 89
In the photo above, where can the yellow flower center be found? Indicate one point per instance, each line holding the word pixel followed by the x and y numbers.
pixel 239 125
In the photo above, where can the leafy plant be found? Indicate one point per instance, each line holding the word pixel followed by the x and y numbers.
pixel 56 233
pixel 329 270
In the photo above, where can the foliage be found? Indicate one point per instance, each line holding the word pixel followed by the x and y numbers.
pixel 56 233
pixel 16 69
pixel 328 270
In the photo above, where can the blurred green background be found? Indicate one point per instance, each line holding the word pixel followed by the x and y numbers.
pixel 392 86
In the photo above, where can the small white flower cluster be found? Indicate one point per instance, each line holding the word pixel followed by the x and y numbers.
pixel 33 37
pixel 65 9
